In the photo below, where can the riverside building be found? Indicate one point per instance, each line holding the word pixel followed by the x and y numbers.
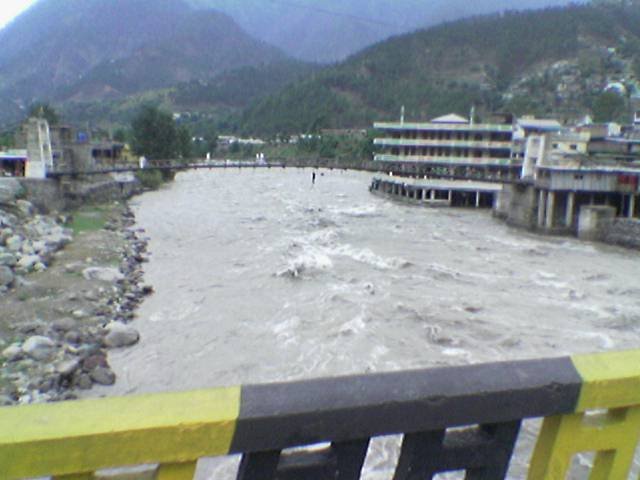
pixel 450 146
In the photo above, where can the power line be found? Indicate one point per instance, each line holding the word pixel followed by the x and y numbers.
pixel 333 13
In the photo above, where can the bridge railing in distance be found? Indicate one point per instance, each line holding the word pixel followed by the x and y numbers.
pixel 454 418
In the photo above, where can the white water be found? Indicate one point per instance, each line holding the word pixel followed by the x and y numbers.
pixel 260 276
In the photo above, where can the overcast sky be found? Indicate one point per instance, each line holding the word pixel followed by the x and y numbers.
pixel 9 9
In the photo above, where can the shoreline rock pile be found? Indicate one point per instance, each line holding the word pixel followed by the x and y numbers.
pixel 65 349
pixel 28 241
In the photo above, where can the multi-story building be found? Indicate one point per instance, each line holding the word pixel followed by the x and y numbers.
pixel 450 140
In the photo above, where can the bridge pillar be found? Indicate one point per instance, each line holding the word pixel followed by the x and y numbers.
pixel 551 205
pixel 450 197
pixel 542 206
pixel 433 194
pixel 477 199
pixel 632 205
pixel 571 205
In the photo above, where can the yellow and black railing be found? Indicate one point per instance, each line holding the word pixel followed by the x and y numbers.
pixel 591 403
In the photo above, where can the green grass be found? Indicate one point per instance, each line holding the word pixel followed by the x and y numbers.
pixel 88 219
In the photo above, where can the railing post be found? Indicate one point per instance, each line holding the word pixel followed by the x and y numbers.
pixel 259 466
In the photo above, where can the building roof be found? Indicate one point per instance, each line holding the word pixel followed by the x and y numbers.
pixel 539 124
pixel 13 155
pixel 451 118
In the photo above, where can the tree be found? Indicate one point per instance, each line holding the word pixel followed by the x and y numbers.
pixel 155 135
pixel 44 110
pixel 609 107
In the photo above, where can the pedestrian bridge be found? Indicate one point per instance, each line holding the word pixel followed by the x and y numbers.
pixel 452 419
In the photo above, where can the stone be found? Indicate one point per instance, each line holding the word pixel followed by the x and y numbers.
pixel 39 347
pixel 6 276
pixel 64 324
pixel 14 243
pixel 57 240
pixel 12 353
pixel 120 335
pixel 25 207
pixel 39 267
pixel 72 337
pixel 94 361
pixel 27 248
pixel 8 259
pixel 5 233
pixel 103 376
pixel 28 263
pixel 79 314
pixel 39 247
pixel 67 367
pixel 10 188
pixel 103 274
pixel 83 381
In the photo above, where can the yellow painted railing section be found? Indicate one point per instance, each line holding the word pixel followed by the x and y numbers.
pixel 607 421
pixel 68 439
pixel 71 440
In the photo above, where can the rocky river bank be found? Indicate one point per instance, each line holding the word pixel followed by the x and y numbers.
pixel 69 286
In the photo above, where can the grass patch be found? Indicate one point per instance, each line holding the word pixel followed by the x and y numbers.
pixel 88 219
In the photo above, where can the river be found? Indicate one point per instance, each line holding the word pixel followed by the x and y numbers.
pixel 262 276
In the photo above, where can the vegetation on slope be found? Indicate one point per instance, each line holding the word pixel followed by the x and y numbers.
pixel 515 61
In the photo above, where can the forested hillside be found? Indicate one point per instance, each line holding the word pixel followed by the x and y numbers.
pixel 553 61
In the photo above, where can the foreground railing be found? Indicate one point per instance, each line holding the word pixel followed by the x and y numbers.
pixel 591 403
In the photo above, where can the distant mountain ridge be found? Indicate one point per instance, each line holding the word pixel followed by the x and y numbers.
pixel 100 49
pixel 331 30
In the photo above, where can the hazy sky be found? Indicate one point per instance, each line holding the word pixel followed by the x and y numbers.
pixel 9 9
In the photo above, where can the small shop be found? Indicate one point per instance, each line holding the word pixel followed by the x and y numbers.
pixel 13 163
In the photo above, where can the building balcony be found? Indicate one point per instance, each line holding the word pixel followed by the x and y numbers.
pixel 419 142
pixel 443 127
pixel 448 160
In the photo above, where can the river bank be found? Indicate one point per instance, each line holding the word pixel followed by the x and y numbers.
pixel 69 286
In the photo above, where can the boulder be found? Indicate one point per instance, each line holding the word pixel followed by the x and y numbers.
pixel 39 348
pixel 64 324
pixel 25 207
pixel 120 335
pixel 103 376
pixel 103 274
pixel 8 259
pixel 6 276
pixel 14 243
pixel 28 263
pixel 67 367
pixel 12 353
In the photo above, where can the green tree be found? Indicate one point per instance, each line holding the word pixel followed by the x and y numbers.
pixel 155 135
pixel 7 140
pixel 609 107
pixel 46 111
pixel 121 135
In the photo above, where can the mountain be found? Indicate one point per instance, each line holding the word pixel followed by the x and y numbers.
pixel 551 61
pixel 79 50
pixel 331 30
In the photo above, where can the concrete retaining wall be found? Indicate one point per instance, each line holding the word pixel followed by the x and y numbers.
pixel 623 232
pixel 54 195
pixel 44 194
pixel 518 206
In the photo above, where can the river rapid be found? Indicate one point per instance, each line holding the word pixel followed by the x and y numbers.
pixel 261 276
